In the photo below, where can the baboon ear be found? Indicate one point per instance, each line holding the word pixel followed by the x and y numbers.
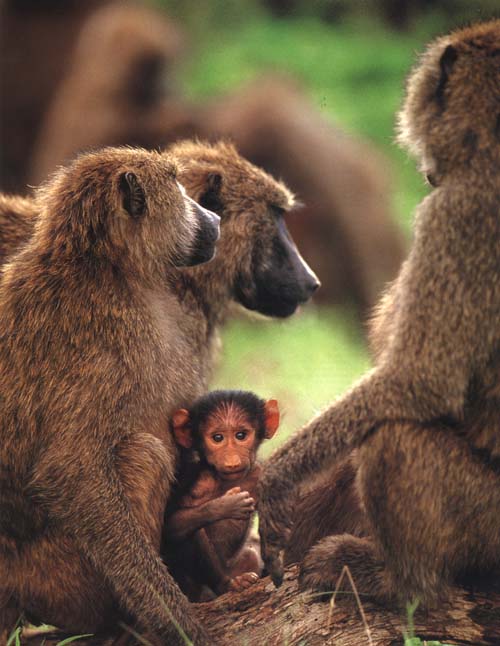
pixel 211 198
pixel 133 196
pixel 272 418
pixel 446 62
pixel 181 429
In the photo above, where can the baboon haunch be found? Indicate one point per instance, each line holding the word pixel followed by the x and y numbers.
pixel 208 545
pixel 86 460
pixel 248 200
pixel 425 418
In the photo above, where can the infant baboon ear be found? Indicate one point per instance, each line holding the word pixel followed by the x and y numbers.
pixel 210 198
pixel 134 199
pixel 446 62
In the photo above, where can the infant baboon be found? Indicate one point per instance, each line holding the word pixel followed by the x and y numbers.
pixel 209 548
pixel 86 358
pixel 426 417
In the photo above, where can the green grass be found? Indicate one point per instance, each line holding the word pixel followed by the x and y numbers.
pixel 303 362
pixel 354 75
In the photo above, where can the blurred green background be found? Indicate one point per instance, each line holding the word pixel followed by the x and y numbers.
pixel 352 59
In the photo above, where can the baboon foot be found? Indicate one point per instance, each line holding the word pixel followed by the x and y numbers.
pixel 243 581
pixel 334 561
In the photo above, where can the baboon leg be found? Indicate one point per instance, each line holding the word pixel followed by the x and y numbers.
pixel 10 613
pixel 71 594
pixel 146 471
pixel 414 550
pixel 432 508
pixel 323 565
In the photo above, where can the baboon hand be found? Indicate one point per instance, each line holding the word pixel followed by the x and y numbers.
pixel 274 529
pixel 235 504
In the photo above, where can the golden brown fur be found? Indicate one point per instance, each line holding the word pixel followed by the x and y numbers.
pixel 426 417
pixel 194 301
pixel 86 355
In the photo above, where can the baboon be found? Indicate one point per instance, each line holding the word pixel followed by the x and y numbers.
pixel 17 221
pixel 87 363
pixel 257 264
pixel 330 506
pixel 41 51
pixel 425 418
pixel 344 227
pixel 127 99
pixel 209 546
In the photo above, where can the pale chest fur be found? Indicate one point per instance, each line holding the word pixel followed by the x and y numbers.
pixel 183 353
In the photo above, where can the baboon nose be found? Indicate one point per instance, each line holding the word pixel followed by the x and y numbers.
pixel 315 285
pixel 312 285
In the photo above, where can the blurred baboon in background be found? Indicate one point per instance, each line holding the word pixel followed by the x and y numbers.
pixel 117 88
pixel 345 228
pixel 36 38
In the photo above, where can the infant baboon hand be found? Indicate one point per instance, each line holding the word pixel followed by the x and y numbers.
pixel 236 504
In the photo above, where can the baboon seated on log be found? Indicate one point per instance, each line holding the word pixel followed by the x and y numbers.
pixel 425 418
pixel 85 363
pixel 257 265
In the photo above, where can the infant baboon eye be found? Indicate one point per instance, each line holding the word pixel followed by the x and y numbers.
pixel 241 435
pixel 217 437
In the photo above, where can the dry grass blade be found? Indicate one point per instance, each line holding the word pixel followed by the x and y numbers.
pixel 347 572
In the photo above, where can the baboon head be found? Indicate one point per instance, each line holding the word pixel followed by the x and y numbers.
pixel 451 115
pixel 257 259
pixel 126 205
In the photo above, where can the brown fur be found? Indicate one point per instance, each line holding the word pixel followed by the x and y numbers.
pixel 126 100
pixel 345 228
pixel 194 303
pixel 85 359
pixel 17 221
pixel 207 531
pixel 426 417
pixel 52 55
pixel 35 44
pixel 332 506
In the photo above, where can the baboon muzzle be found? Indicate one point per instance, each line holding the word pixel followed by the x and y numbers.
pixel 208 232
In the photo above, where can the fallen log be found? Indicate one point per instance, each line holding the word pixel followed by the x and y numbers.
pixel 264 616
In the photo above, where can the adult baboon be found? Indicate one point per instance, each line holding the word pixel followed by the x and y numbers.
pixel 86 363
pixel 425 418
pixel 257 265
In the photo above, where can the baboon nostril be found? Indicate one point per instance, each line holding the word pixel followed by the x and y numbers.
pixel 312 286
pixel 315 286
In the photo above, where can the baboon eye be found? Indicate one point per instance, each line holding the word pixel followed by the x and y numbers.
pixel 278 211
pixel 217 437
pixel 134 199
pixel 241 435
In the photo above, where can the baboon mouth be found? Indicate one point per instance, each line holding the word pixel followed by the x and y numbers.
pixel 232 475
pixel 201 256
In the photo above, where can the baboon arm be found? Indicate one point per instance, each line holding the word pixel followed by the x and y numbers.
pixel 117 546
pixel 215 571
pixel 441 336
pixel 185 522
